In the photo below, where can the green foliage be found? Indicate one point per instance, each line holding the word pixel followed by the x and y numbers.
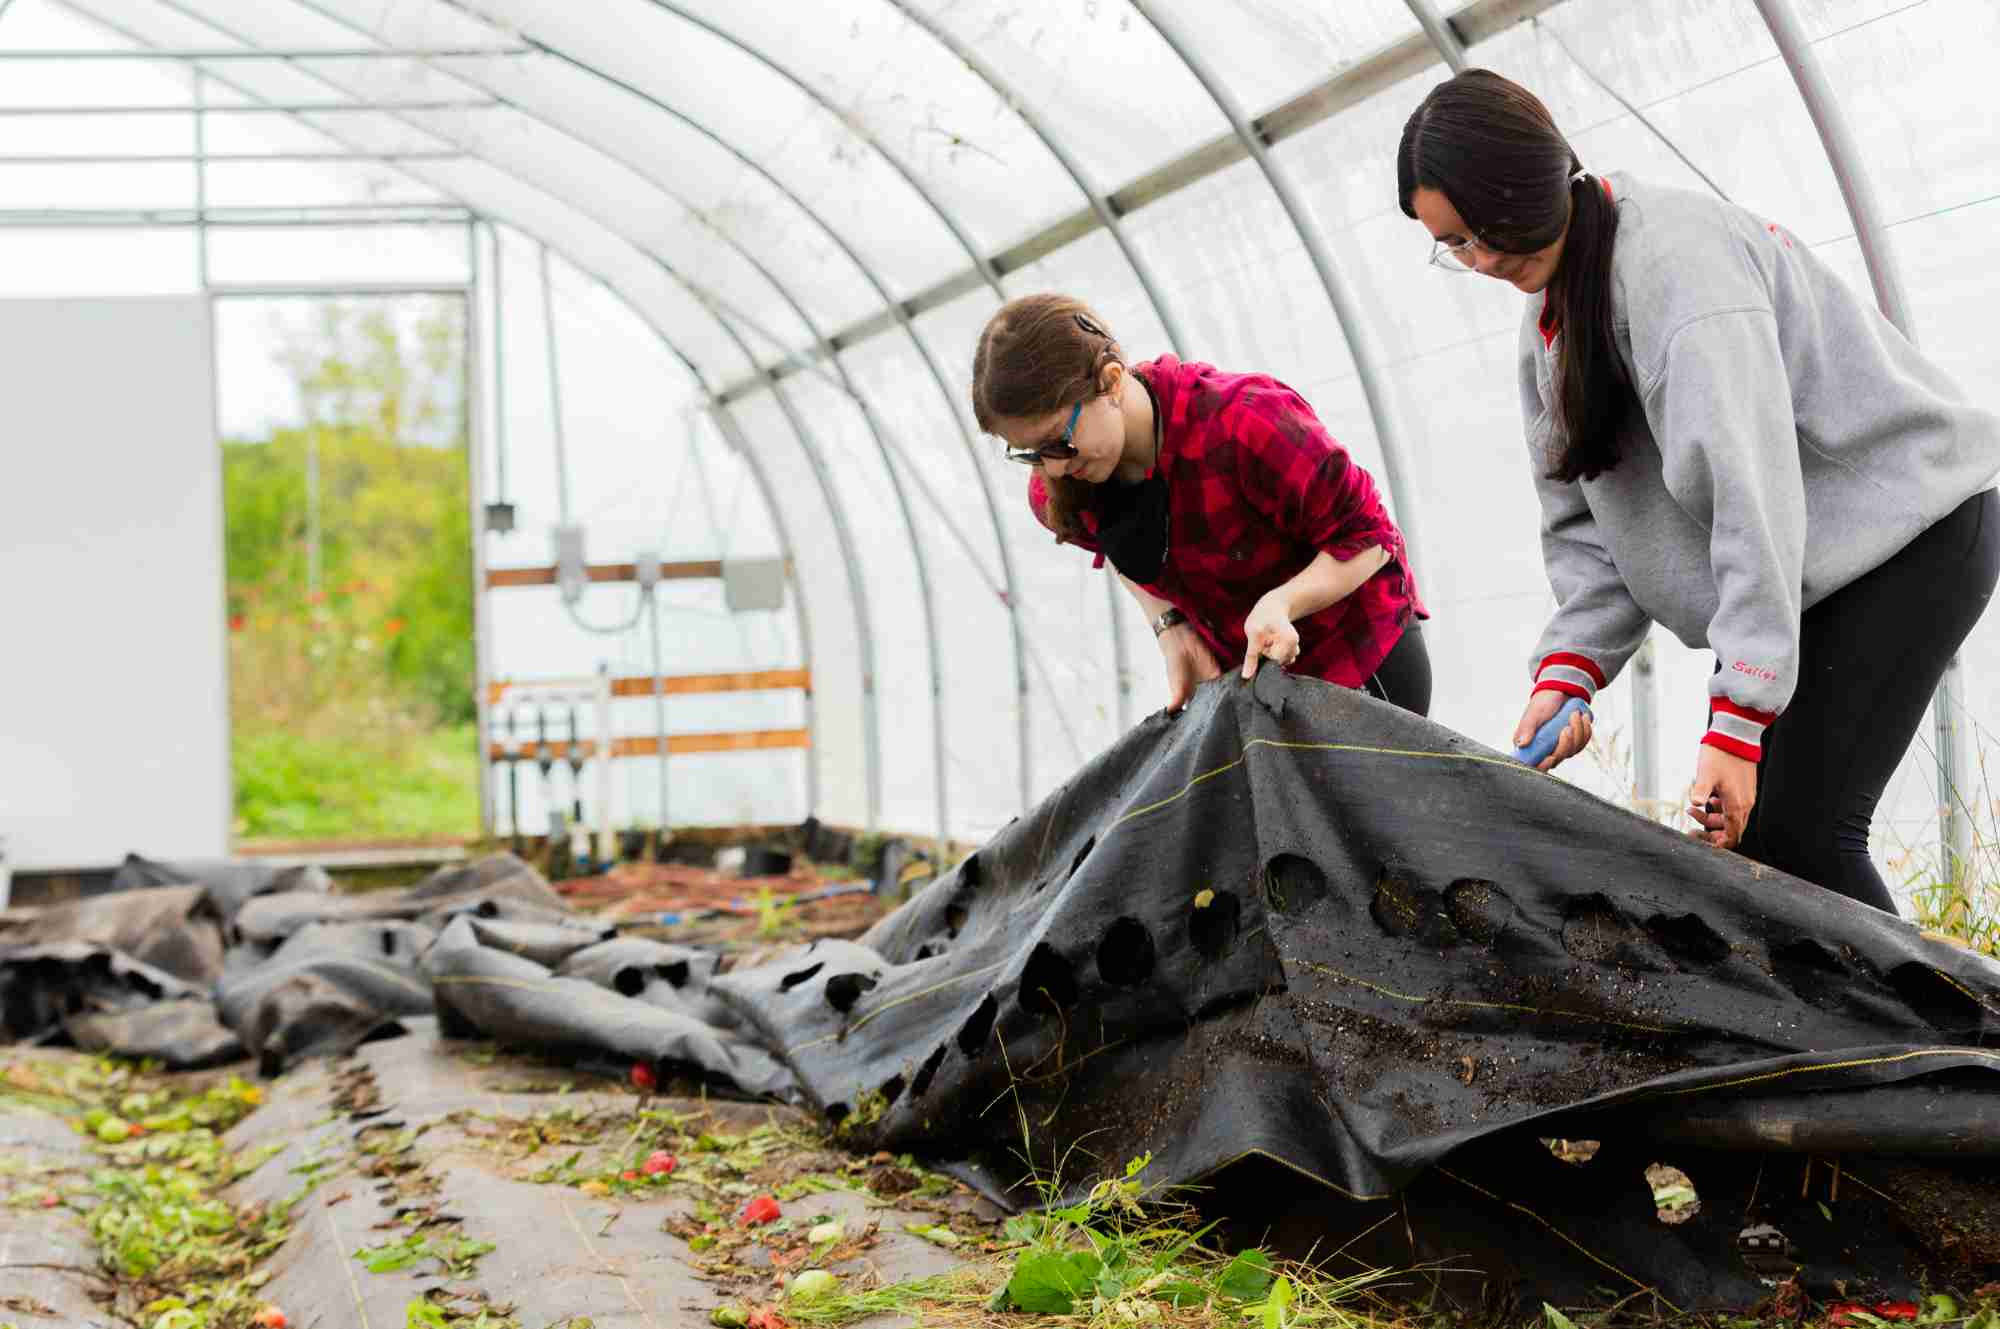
pixel 294 786
pixel 155 1206
pixel 456 1256
pixel 351 699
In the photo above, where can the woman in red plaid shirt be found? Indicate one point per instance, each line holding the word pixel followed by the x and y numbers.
pixel 1238 524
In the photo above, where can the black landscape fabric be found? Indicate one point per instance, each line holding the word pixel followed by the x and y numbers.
pixel 1335 961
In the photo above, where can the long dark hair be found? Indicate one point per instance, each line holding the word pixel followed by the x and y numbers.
pixel 1491 147
pixel 1039 354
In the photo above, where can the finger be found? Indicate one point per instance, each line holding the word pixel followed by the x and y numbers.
pixel 1250 659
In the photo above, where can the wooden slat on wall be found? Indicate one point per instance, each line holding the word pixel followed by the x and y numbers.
pixel 680 685
pixel 678 745
pixel 690 571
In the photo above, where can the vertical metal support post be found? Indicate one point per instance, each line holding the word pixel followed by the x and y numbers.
pixel 1645 729
pixel 1115 597
pixel 499 340
pixel 659 699
pixel 1954 772
pixel 201 178
pixel 555 389
pixel 482 637
pixel 606 851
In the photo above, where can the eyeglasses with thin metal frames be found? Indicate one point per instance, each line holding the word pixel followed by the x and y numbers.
pixel 1057 450
pixel 1458 257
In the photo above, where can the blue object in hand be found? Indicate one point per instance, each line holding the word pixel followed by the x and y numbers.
pixel 1545 739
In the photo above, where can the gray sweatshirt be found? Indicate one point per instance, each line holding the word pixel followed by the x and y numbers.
pixel 1790 440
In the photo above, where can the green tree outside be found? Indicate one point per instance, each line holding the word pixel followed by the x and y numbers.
pixel 349 563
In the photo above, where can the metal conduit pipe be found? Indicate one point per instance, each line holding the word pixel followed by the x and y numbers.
pixel 1360 342
pixel 715 403
pixel 1954 769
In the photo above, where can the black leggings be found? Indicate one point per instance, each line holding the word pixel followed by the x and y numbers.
pixel 1404 676
pixel 1870 656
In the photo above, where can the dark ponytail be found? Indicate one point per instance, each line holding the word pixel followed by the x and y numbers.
pixel 1593 391
pixel 1491 147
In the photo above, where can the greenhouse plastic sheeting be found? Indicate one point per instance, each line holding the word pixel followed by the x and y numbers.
pixel 1290 927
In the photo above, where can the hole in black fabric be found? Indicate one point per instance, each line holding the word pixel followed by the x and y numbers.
pixel 891 1090
pixel 1811 971
pixel 1477 908
pixel 675 972
pixel 630 981
pixel 1125 956
pixel 955 915
pixel 971 873
pixel 1293 884
pixel 927 1072
pixel 1396 908
pixel 1941 1002
pixel 843 990
pixel 488 909
pixel 1674 1200
pixel 790 981
pixel 973 1034
pixel 1046 979
pixel 388 942
pixel 1082 854
pixel 1593 929
pixel 1688 938
pixel 926 951
pixel 1212 928
pixel 836 1112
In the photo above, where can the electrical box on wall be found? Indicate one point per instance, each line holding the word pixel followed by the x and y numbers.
pixel 753 583
pixel 571 575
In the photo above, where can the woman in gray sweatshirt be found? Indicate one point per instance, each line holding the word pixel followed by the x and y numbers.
pixel 1729 441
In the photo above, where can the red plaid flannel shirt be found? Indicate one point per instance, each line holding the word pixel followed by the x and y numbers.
pixel 1256 488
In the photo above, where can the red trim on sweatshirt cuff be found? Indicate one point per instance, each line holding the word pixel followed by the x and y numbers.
pixel 1571 658
pixel 1735 748
pixel 1728 707
pixel 1564 686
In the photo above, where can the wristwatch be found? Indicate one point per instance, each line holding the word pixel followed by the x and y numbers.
pixel 1173 618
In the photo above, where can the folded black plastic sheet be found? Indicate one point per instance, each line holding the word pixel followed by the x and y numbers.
pixel 43 986
pixel 183 1035
pixel 674 978
pixel 500 886
pixel 516 1000
pixel 1298 921
pixel 230 882
pixel 175 929
pixel 327 988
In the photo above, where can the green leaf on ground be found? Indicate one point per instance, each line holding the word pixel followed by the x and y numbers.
pixel 1049 1282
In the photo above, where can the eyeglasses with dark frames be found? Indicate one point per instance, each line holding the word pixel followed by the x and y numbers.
pixel 1057 449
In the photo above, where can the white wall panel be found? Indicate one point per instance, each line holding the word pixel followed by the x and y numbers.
pixel 112 668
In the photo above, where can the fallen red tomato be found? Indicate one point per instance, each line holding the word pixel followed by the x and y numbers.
pixel 1849 1312
pixel 643 1078
pixel 50 1201
pixel 271 1318
pixel 660 1162
pixel 628 1175
pixel 766 1318
pixel 763 1209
